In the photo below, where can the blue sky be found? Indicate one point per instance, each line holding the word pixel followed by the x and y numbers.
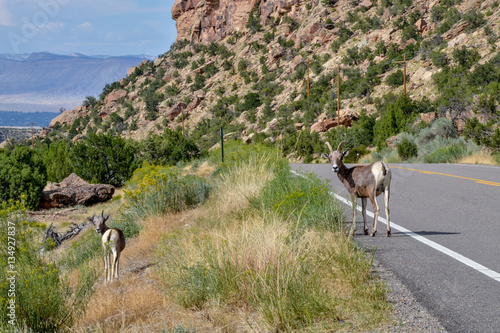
pixel 91 27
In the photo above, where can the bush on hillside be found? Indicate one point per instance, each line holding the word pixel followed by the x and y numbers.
pixel 103 158
pixel 407 149
pixel 22 173
pixel 44 300
pixel 168 149
pixel 397 116
pixel 154 190
pixel 355 154
pixel 57 151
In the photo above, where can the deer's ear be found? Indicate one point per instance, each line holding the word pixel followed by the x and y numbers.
pixel 106 218
pixel 90 219
pixel 345 153
pixel 325 155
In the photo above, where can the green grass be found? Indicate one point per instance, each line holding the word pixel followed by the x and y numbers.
pixel 279 251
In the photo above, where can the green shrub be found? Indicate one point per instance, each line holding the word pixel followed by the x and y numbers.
pixel 356 153
pixel 450 154
pixel 465 57
pixel 57 151
pixel 22 173
pixel 439 59
pixel 154 190
pixel 253 23
pixel 272 256
pixel 305 200
pixel 475 19
pixel 169 148
pixel 44 300
pixel 395 79
pixel 496 158
pixel 407 149
pixel 103 158
pixel 395 119
pixel 81 251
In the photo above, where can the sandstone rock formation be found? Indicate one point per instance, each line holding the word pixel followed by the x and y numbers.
pixel 205 21
pixel 325 124
pixel 74 191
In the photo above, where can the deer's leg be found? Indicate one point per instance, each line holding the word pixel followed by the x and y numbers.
pixel 106 267
pixel 353 227
pixel 363 212
pixel 386 199
pixel 116 263
pixel 376 209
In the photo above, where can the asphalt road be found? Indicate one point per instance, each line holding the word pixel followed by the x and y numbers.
pixel 446 245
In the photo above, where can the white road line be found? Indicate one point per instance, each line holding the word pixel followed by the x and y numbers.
pixel 457 256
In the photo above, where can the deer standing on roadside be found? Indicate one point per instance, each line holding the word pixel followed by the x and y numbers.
pixel 113 242
pixel 367 181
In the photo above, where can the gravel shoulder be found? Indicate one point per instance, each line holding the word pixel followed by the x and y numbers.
pixel 411 316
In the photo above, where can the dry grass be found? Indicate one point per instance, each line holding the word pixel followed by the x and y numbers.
pixel 136 302
pixel 250 257
pixel 480 157
pixel 236 188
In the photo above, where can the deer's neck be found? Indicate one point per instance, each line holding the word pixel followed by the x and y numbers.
pixel 104 228
pixel 345 176
pixel 343 172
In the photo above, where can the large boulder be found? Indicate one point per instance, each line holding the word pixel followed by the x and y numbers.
pixel 74 191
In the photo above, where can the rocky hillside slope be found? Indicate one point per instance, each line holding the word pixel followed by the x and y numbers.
pixel 265 69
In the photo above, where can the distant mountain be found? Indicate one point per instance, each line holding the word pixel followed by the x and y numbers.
pixel 44 81
pixel 25 119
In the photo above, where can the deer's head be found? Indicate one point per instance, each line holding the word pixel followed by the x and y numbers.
pixel 336 156
pixel 99 221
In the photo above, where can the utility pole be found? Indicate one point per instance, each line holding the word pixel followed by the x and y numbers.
pixel 222 142
pixel 404 73
pixel 308 86
pixel 338 96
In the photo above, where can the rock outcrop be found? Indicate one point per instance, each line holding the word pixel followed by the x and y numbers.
pixel 74 191
pixel 325 124
pixel 205 21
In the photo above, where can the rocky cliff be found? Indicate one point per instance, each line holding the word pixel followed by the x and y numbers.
pixel 277 76
pixel 206 21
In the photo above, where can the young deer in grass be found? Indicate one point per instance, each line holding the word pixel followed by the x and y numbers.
pixel 364 182
pixel 113 242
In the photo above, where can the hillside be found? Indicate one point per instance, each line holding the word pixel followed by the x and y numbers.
pixel 246 68
pixel 46 82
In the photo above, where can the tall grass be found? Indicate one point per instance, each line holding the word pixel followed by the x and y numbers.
pixel 278 251
pixel 44 298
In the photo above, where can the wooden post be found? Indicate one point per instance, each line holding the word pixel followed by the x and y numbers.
pixel 182 122
pixel 338 96
pixel 222 142
pixel 404 73
pixel 404 66
pixel 308 86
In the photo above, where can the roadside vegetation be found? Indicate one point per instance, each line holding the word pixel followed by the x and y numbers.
pixel 241 244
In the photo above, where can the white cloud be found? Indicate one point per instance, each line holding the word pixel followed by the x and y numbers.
pixel 85 26
pixel 5 15
pixel 52 27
